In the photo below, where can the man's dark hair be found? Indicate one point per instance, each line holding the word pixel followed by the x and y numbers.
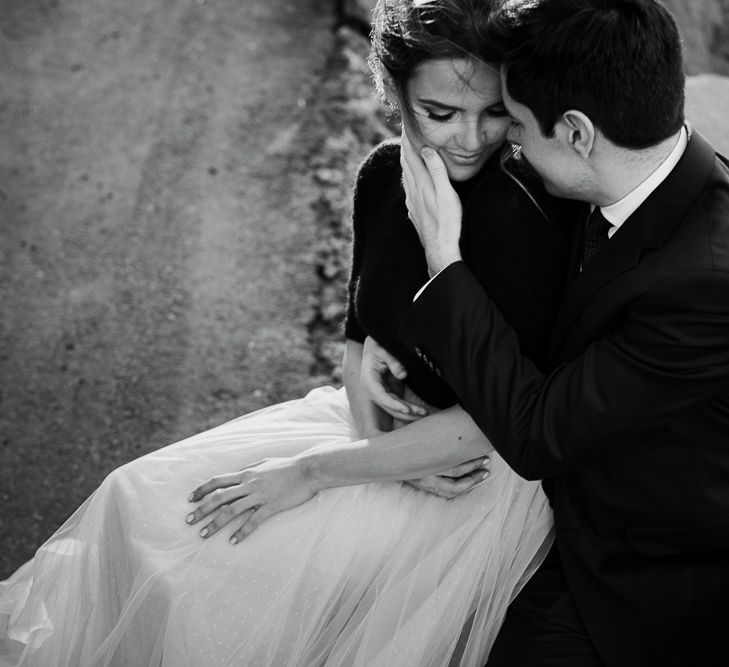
pixel 617 61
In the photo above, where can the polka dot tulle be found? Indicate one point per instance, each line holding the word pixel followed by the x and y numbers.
pixel 369 575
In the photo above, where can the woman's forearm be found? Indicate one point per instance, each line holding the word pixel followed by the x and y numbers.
pixel 425 447
pixel 369 418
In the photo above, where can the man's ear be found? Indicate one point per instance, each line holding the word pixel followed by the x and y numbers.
pixel 578 132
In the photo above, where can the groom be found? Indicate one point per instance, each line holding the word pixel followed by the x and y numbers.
pixel 630 428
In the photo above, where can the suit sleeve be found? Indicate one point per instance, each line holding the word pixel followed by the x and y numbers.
pixel 668 352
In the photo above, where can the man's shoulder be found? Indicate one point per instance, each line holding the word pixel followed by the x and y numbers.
pixel 711 211
pixel 714 211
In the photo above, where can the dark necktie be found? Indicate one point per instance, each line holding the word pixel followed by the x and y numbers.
pixel 596 233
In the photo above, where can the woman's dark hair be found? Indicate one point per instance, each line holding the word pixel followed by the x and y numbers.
pixel 406 33
pixel 617 61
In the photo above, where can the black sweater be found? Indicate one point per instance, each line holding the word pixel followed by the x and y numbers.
pixel 516 253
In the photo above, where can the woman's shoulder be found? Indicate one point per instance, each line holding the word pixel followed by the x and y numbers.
pixel 379 183
pixel 530 188
pixel 508 190
pixel 383 159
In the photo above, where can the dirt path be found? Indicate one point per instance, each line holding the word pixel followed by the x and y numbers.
pixel 174 177
pixel 157 232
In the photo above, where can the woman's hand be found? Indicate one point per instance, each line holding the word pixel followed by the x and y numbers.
pixel 456 481
pixel 379 371
pixel 371 420
pixel 251 496
pixel 433 205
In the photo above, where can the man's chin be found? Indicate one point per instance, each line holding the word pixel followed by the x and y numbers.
pixel 562 193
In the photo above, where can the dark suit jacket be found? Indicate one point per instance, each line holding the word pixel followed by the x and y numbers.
pixel 630 427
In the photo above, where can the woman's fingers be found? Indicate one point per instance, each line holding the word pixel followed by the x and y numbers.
pixel 220 482
pixel 216 499
pixel 455 481
pixel 213 484
pixel 393 364
pixel 241 508
pixel 255 517
pixel 379 394
pixel 474 466
pixel 451 488
pixel 262 490
pixel 376 368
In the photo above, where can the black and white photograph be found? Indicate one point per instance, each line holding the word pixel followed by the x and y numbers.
pixel 364 333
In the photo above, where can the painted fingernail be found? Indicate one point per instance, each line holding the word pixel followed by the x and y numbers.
pixel 426 152
pixel 234 539
pixel 204 532
pixel 190 518
pixel 191 497
pixel 485 474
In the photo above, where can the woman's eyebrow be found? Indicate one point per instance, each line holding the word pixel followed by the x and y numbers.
pixel 450 107
pixel 435 103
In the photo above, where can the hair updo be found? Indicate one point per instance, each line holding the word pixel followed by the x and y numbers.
pixel 406 33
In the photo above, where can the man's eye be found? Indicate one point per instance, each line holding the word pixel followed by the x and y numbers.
pixel 497 112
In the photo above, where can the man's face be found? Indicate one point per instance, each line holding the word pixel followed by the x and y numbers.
pixel 548 156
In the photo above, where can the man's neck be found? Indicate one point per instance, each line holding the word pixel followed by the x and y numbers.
pixel 625 169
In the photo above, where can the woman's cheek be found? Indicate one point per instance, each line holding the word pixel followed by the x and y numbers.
pixel 498 130
pixel 433 135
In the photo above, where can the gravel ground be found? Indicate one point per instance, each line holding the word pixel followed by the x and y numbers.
pixel 174 187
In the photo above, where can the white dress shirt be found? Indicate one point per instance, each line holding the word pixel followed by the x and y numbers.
pixel 616 214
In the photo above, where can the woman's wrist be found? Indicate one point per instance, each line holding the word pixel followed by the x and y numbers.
pixel 309 464
pixel 337 466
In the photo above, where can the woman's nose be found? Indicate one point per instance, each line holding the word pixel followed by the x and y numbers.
pixel 473 135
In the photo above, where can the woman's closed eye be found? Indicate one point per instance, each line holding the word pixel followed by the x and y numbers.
pixel 437 116
pixel 440 116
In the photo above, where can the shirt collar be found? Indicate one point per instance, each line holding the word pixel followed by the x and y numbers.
pixel 616 214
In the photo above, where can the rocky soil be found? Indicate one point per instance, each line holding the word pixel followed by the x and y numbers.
pixel 174 187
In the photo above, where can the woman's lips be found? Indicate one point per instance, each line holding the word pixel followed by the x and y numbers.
pixel 464 159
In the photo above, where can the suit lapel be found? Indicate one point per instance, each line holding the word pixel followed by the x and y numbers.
pixel 620 254
pixel 650 226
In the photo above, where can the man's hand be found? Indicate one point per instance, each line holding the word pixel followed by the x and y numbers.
pixel 454 482
pixel 382 378
pixel 433 205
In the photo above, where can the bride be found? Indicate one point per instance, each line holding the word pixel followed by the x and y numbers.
pixel 303 544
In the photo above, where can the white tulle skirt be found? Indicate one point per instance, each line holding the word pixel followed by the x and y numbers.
pixel 376 574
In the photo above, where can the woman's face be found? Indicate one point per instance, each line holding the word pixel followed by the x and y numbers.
pixel 457 110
